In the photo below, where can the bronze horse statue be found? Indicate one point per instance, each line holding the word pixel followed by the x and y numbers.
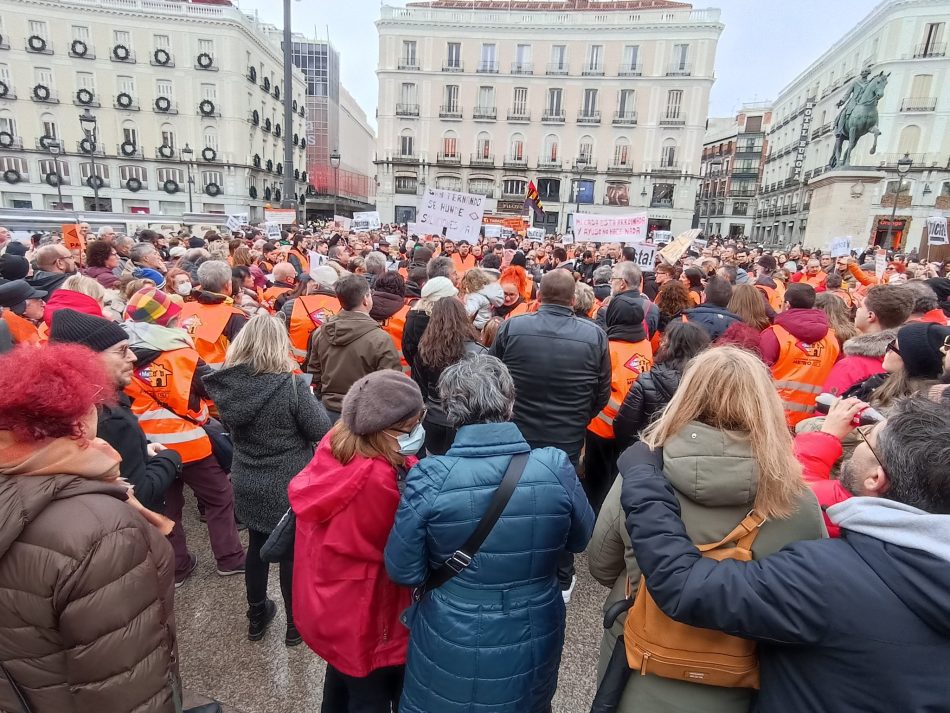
pixel 861 120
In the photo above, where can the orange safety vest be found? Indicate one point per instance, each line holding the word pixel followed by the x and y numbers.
pixel 800 371
pixel 205 324
pixel 815 281
pixel 394 327
pixel 160 393
pixel 271 294
pixel 463 265
pixel 776 295
pixel 21 329
pixel 934 316
pixel 304 261
pixel 627 361
pixel 309 313
pixel 523 308
pixel 844 296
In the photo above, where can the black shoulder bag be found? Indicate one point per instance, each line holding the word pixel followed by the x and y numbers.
pixel 464 555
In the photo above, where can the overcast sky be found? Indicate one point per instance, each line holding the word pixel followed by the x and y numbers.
pixel 765 45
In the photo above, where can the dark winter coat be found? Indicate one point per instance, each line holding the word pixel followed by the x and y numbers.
pixel 87 595
pixel 646 398
pixel 274 432
pixel 103 275
pixel 416 322
pixel 428 380
pixel 715 320
pixel 47 281
pixel 491 638
pixel 651 313
pixel 859 623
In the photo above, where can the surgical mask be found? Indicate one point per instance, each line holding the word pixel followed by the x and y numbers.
pixel 411 443
pixel 183 288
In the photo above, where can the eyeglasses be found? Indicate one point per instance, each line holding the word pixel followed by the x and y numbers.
pixel 861 431
pixel 890 268
pixel 892 347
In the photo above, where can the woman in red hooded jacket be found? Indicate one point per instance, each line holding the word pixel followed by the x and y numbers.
pixel 345 606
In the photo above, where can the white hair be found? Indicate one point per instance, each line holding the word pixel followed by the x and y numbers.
pixel 478 389
pixel 214 275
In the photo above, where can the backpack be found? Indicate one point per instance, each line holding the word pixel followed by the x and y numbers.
pixel 657 645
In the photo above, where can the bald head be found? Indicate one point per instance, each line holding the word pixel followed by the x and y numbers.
pixel 284 272
pixel 54 258
pixel 557 288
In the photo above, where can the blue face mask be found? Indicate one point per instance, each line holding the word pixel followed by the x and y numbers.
pixel 411 443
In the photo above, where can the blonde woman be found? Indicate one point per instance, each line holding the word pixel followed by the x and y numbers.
pixel 839 317
pixel 274 421
pixel 78 292
pixel 747 302
pixel 726 450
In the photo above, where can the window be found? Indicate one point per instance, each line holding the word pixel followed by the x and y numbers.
pixel 211 137
pixel 8 124
pixel 590 102
pixel 44 75
pixel 740 208
pixel 405 184
pixel 39 28
pixel 450 148
pixel 5 74
pixel 626 103
pixel 585 149
pixel 933 39
pixel 453 58
pixel 449 183
pixel 909 140
pixel 516 147
pixel 680 54
pixel 168 136
pixel 662 195
pixel 8 163
pixel 451 98
pixel 407 94
pixel 486 97
pixel 48 165
pixel 522 57
pixel 406 144
pixel 483 145
pixel 130 171
pixel 408 53
pixel 668 154
pixel 162 42
pixel 920 87
pixel 85 171
pixel 170 174
pixel 519 104
pixel 488 54
pixel 122 37
pixel 514 187
pixel 559 57
pixel 212 177
pixel 554 102
pixel 81 33
pixel 130 134
pixel 595 58
pixel 209 92
pixel 549 189
pixel 206 46
pixel 550 148
pixel 753 125
pixel 622 152
pixel 674 100
pixel 481 186
pixel 49 126
pixel 631 58
pixel 582 191
pixel 163 88
pixel 126 85
pixel 86 80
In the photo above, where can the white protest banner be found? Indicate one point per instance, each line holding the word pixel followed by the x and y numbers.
pixel 415 229
pixel 674 251
pixel 567 239
pixel 937 230
pixel 699 244
pixel 646 254
pixel 367 220
pixel 281 216
pixel 460 214
pixel 236 220
pixel 341 222
pixel 316 260
pixel 594 228
pixel 492 231
pixel 840 247
pixel 535 233
pixel 880 263
pixel 273 231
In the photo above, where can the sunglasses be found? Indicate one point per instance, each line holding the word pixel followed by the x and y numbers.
pixel 892 347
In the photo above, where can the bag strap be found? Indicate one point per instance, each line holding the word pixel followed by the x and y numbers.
pixel 21 699
pixel 466 553
pixel 743 534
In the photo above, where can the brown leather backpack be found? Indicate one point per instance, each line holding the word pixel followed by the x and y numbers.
pixel 657 645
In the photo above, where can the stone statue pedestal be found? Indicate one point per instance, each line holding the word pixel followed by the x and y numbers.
pixel 840 206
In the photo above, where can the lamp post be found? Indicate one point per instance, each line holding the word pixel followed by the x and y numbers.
pixel 335 165
pixel 55 149
pixel 288 196
pixel 187 153
pixel 581 164
pixel 903 166
pixel 87 121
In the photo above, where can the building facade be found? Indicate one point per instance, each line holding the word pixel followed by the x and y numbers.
pixel 187 99
pixel 602 104
pixel 906 40
pixel 731 168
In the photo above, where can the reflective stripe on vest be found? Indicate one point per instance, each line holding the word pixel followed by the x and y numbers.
pixel 800 371
pixel 627 361
pixel 309 312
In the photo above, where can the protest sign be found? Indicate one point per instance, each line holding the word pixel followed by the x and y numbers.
pixel 937 230
pixel 316 260
pixel 492 231
pixel 236 220
pixel 458 214
pixel 535 233
pixel 273 231
pixel 341 222
pixel 840 247
pixel 880 263
pixel 281 216
pixel 646 255
pixel 415 229
pixel 367 220
pixel 594 228
pixel 674 251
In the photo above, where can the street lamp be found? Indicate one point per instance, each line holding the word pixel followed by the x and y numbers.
pixel 580 164
pixel 87 121
pixel 335 165
pixel 56 148
pixel 903 166
pixel 187 153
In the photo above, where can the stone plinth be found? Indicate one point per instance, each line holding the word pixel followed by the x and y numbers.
pixel 840 205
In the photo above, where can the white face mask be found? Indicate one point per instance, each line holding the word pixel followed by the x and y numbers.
pixel 183 288
pixel 411 443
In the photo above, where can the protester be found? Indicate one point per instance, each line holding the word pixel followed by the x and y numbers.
pixel 449 338
pixel 243 292
pixel 54 263
pixel 22 307
pixel 274 422
pixel 713 315
pixel 882 584
pixel 726 452
pixel 389 296
pixel 692 279
pixel 85 570
pixel 211 319
pixel 345 500
pixel 585 305
pixel 839 321
pixel 926 305
pixel 491 637
pixel 101 262
pixel 625 284
pixel 435 289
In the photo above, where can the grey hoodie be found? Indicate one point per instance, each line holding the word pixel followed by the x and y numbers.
pixel 895 523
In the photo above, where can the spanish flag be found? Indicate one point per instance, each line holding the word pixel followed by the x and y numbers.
pixel 533 201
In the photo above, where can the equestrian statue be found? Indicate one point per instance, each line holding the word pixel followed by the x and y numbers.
pixel 859 115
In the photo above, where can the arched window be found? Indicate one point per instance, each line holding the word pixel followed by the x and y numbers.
pixel 585 148
pixel 168 135
pixel 551 148
pixel 211 137
pixel 130 134
pixel 49 126
pixel 622 152
pixel 514 187
pixel 910 139
pixel 450 145
pixel 449 183
pixel 7 122
pixel 516 147
pixel 406 143
pixel 668 154
pixel 483 145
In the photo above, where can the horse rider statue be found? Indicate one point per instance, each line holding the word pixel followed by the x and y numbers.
pixel 858 115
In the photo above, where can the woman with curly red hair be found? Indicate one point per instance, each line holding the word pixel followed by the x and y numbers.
pixel 86 574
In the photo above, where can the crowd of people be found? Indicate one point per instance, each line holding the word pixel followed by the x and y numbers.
pixel 751 446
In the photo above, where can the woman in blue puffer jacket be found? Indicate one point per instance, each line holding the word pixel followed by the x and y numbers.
pixel 489 640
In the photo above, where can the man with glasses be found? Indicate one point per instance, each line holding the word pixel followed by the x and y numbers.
pixel 857 623
pixel 54 263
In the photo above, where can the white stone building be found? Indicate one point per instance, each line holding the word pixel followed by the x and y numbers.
pixel 906 39
pixel 600 103
pixel 158 76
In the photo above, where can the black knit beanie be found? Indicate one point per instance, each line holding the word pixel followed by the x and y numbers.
pixel 74 327
pixel 13 267
pixel 380 400
pixel 919 344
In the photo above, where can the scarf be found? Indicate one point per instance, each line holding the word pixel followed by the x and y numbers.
pixel 91 459
pixel 145 335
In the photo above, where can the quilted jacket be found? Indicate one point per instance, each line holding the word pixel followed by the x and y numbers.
pixel 489 640
pixel 87 600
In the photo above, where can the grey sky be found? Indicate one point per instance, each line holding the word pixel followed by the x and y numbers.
pixel 765 45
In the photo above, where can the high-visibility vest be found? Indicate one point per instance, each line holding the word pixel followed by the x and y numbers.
pixel 160 393
pixel 627 361
pixel 205 323
pixel 776 295
pixel 394 327
pixel 302 259
pixel 463 265
pixel 844 296
pixel 270 295
pixel 523 308
pixel 22 330
pixel 815 281
pixel 800 371
pixel 309 312
pixel 934 316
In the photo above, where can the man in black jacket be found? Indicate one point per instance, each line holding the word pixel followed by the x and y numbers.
pixel 625 285
pixel 561 368
pixel 856 623
pixel 149 468
pixel 712 315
